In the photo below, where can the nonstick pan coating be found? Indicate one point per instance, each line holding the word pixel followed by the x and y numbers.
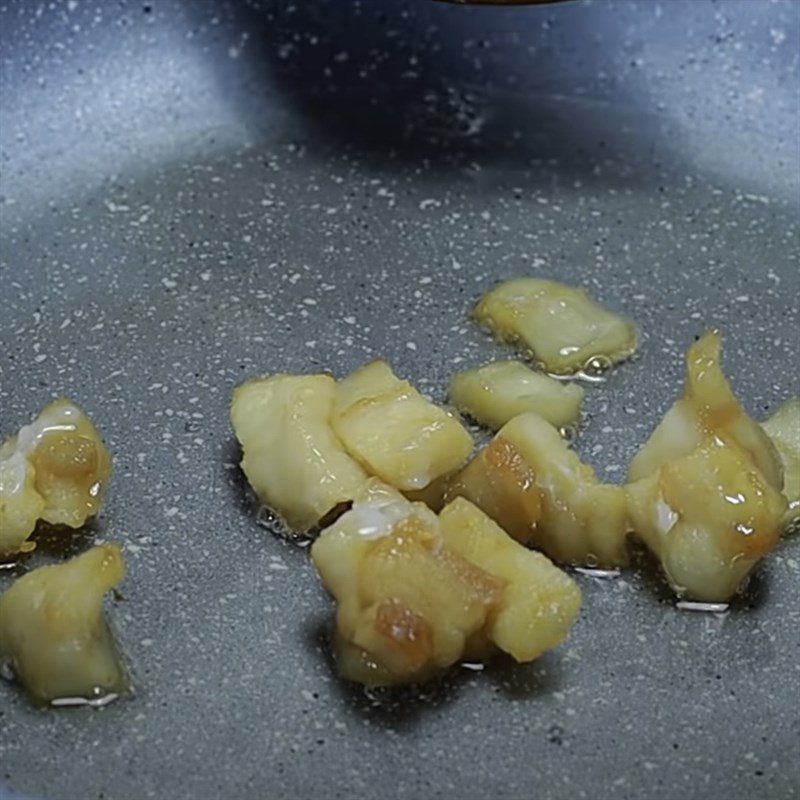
pixel 197 192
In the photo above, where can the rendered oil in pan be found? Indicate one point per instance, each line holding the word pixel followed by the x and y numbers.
pixel 196 192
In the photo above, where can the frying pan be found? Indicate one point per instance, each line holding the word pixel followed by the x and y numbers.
pixel 198 192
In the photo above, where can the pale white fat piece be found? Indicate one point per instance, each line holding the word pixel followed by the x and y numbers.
pixel 499 391
pixel 21 504
pixel 53 634
pixel 393 431
pixel 704 491
pixel 562 326
pixel 14 454
pixel 57 480
pixel 294 461
pixel 53 418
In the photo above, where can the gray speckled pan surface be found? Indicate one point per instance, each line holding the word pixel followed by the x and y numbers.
pixel 196 192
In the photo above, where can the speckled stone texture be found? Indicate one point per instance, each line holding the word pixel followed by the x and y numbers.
pixel 197 192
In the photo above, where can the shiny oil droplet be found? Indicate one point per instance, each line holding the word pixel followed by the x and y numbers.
pixel 99 699
pixel 597 365
pixel 374 694
pixel 266 518
pixel 696 605
pixel 569 433
pixel 599 573
pixel 793 527
pixel 588 377
pixel 581 376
